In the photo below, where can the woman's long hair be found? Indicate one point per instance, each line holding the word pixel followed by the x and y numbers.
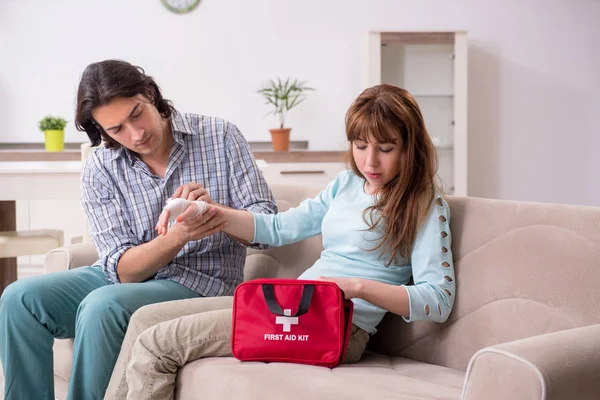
pixel 387 113
pixel 105 80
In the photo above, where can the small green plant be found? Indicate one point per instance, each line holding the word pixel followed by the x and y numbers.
pixel 50 123
pixel 283 96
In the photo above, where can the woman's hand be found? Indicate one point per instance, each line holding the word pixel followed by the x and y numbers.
pixel 176 207
pixel 162 225
pixel 351 287
pixel 393 298
pixel 191 225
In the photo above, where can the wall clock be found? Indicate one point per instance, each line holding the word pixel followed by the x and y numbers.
pixel 180 6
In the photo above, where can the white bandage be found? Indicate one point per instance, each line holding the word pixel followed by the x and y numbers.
pixel 178 206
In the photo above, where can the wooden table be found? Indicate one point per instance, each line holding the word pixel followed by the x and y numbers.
pixel 32 180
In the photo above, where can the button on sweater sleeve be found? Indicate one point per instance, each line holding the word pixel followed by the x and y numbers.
pixel 432 295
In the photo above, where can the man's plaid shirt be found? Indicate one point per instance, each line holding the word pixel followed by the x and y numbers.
pixel 123 199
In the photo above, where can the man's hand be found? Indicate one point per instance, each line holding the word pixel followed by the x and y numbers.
pixel 351 287
pixel 193 191
pixel 191 225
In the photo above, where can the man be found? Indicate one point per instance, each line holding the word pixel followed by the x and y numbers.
pixel 151 153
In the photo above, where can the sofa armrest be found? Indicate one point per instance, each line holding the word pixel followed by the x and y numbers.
pixel 553 366
pixel 69 257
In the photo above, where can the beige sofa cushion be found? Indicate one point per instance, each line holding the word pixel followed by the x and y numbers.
pixel 63 358
pixel 376 377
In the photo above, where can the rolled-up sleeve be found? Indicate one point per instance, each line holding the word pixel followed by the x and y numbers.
pixel 432 295
pixel 108 227
pixel 248 189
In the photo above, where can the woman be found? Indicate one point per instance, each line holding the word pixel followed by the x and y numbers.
pixel 383 222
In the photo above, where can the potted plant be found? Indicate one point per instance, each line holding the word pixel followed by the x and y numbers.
pixel 283 96
pixel 54 132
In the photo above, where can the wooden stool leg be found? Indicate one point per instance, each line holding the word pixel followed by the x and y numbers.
pixel 8 222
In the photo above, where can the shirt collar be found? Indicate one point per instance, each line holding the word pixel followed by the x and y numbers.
pixel 179 127
pixel 117 153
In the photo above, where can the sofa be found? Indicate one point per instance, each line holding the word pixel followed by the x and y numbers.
pixel 526 322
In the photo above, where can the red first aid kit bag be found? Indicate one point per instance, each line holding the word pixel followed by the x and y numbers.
pixel 290 320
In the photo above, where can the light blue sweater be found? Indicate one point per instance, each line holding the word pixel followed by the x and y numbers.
pixel 337 213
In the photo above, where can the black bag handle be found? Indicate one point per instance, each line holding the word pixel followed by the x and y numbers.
pixel 269 292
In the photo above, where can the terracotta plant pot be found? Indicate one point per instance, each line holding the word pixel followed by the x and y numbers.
pixel 280 139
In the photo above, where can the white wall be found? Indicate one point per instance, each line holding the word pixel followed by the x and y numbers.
pixel 534 72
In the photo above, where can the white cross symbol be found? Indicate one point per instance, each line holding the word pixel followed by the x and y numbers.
pixel 287 321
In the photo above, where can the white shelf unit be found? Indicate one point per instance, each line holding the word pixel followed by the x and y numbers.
pixel 432 66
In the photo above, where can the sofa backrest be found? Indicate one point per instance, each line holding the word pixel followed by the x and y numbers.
pixel 522 269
